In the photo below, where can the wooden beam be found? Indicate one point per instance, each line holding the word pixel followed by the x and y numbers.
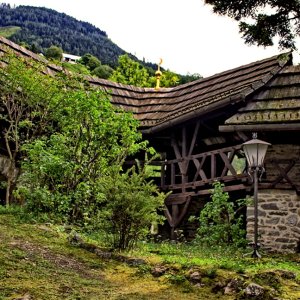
pixel 199 169
pixel 260 127
pixel 177 153
pixel 193 142
pixel 227 161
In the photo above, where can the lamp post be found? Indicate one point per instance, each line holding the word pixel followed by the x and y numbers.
pixel 255 151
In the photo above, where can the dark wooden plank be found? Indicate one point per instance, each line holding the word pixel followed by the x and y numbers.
pixel 199 170
pixel 260 127
pixel 177 154
pixel 172 174
pixel 284 171
pixel 227 161
pixel 176 199
pixel 194 138
pixel 228 178
pixel 183 211
pixel 168 216
pixel 213 166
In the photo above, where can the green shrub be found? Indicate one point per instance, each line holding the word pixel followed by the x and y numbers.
pixel 220 223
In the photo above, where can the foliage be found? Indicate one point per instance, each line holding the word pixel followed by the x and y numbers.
pixel 96 68
pixel 90 61
pixel 269 19
pixel 54 52
pixel 130 72
pixel 76 68
pixel 220 223
pixel 189 78
pixel 63 171
pixel 103 71
pixel 71 143
pixel 25 98
pixel 131 206
pixel 168 79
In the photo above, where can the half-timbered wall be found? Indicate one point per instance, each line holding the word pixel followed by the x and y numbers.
pixel 282 167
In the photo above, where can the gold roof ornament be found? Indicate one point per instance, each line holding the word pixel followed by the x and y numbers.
pixel 158 74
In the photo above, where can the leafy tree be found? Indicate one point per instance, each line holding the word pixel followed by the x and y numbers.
pixel 169 79
pixel 130 72
pixel 189 78
pixel 90 61
pixel 54 52
pixel 62 173
pixel 220 222
pixel 103 71
pixel 25 99
pixel 71 144
pixel 271 18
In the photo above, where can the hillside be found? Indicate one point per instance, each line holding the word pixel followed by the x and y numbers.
pixel 37 28
pixel 40 28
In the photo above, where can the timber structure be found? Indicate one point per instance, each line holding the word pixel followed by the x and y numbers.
pixel 199 128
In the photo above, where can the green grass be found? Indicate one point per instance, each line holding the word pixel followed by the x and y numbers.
pixel 37 260
pixel 8 31
pixel 76 68
pixel 222 258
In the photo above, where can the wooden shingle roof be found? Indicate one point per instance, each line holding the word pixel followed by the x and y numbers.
pixel 166 107
pixel 275 107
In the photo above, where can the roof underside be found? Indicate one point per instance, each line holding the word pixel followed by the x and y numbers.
pixel 168 106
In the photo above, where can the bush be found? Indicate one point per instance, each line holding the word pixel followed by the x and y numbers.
pixel 131 205
pixel 220 222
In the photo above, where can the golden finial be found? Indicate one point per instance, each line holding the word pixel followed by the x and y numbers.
pixel 158 74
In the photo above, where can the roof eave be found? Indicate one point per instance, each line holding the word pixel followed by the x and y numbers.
pixel 260 127
pixel 194 114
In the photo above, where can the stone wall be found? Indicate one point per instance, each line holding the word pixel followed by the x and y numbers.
pixel 278 220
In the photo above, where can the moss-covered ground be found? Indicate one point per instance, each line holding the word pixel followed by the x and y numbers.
pixel 38 262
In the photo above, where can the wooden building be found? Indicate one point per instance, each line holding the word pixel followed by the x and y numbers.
pixel 199 128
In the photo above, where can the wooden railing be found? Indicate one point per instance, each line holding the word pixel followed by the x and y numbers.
pixel 197 171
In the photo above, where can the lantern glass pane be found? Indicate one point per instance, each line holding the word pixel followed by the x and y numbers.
pixel 251 154
pixel 262 150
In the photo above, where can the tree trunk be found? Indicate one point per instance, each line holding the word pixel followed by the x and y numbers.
pixel 7 195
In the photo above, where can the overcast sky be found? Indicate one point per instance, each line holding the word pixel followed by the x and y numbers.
pixel 185 34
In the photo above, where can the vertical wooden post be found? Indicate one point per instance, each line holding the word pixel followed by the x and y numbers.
pixel 163 171
pixel 213 166
pixel 184 163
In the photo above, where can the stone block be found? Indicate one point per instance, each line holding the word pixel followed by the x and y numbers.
pixel 269 206
pixel 278 213
pixel 273 221
pixel 292 220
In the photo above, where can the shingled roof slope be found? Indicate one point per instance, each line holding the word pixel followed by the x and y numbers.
pixel 276 105
pixel 168 106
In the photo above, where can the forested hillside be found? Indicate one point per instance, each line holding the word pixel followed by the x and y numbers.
pixel 38 28
pixel 43 27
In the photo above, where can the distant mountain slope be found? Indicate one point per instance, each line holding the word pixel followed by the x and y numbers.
pixel 43 27
pixel 38 28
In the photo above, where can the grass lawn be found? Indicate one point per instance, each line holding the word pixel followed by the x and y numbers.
pixel 38 262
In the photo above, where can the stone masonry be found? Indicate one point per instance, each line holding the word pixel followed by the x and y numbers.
pixel 278 221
